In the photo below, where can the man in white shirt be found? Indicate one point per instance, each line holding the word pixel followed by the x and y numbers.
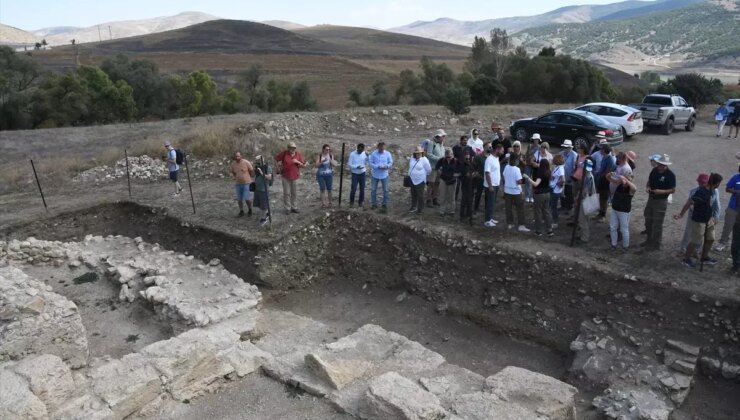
pixel 419 170
pixel 513 181
pixel 492 180
pixel 358 161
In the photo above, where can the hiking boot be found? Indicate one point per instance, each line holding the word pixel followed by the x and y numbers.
pixel 720 247
pixel 241 213
pixel 550 234
pixel 412 209
pixel 489 224
pixel 263 222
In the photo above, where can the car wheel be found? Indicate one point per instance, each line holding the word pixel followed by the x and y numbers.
pixel 691 124
pixel 520 134
pixel 578 141
pixel 668 126
pixel 623 132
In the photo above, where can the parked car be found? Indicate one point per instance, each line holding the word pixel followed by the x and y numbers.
pixel 667 111
pixel 732 103
pixel 630 119
pixel 579 126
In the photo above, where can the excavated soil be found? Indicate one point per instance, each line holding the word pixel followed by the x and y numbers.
pixel 482 306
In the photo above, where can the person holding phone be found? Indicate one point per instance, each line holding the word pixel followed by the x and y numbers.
pixel 289 163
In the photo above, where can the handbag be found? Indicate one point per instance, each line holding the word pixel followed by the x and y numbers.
pixel 590 204
pixel 407 179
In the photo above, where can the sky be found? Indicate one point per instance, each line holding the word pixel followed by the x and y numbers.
pixel 37 14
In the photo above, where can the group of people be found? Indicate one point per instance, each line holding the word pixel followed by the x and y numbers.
pixel 723 115
pixel 594 182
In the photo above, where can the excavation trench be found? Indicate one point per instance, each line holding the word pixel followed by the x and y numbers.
pixel 480 305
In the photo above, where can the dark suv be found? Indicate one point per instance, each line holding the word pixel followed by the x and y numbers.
pixel 579 126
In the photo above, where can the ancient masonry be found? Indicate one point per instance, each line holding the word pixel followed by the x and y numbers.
pixel 46 370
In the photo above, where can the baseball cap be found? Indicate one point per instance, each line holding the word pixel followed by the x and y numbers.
pixel 703 178
pixel 440 133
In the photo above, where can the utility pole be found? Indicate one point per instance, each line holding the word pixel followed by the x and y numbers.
pixel 100 38
pixel 110 34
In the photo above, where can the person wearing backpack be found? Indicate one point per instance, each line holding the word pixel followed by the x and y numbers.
pixel 174 160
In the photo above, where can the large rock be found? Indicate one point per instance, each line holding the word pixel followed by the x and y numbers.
pixel 392 397
pixel 127 384
pixel 535 391
pixel 84 407
pixel 38 321
pixel 486 406
pixel 48 378
pixel 16 399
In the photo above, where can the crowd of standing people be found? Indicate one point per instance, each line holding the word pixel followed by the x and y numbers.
pixel 582 186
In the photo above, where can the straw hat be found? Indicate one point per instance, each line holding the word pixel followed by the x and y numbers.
pixel 567 143
pixel 664 160
pixel 292 145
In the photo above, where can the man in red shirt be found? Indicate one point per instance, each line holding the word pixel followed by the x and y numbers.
pixel 289 163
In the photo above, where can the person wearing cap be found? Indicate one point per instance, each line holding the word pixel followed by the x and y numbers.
pixel 557 186
pixel 588 188
pixel 652 158
pixel 619 221
pixel 577 176
pixel 491 181
pixel 419 170
pixel 476 143
pixel 513 180
pixel 569 166
pixel 447 169
pixel 702 221
pixel 381 162
pixel 479 162
pixel 702 181
pixel 434 152
pixel 289 163
pixel 661 183
pixel 172 167
pixel 243 173
pixel 262 183
pixel 357 163
pixel 733 188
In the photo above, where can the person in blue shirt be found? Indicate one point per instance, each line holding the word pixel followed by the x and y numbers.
pixel 703 179
pixel 721 115
pixel 357 163
pixel 733 188
pixel 566 200
pixel 381 162
pixel 172 167
pixel 702 221
pixel 608 163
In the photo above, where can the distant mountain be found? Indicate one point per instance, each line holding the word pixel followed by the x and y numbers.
pixel 244 37
pixel 121 29
pixel 659 6
pixel 704 31
pixel 463 32
pixel 13 36
pixel 284 24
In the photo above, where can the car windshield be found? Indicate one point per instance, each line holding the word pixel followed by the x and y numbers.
pixel 596 120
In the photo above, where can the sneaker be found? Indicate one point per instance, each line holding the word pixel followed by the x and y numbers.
pixel 489 224
pixel 412 209
pixel 179 190
pixel 601 219
pixel 688 263
pixel 263 222
pixel 495 222
pixel 523 229
pixel 720 247
pixel 241 213
pixel 554 226
pixel 709 261
pixel 511 227
pixel 550 234
pixel 537 233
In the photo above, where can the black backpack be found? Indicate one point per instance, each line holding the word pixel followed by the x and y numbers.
pixel 179 157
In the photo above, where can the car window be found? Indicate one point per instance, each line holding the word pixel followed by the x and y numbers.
pixel 597 121
pixel 681 102
pixel 615 112
pixel 658 100
pixel 588 108
pixel 548 119
pixel 571 120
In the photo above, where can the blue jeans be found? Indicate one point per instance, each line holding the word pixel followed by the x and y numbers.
pixel 357 179
pixel 490 202
pixel 374 188
pixel 554 198
pixel 325 181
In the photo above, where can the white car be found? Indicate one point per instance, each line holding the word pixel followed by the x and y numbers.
pixel 630 119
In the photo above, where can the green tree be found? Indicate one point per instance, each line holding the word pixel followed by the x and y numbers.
pixel 232 101
pixel 457 100
pixel 500 46
pixel 300 97
pixel 153 93
pixel 486 90
pixel 18 75
pixel 650 77
pixel 201 97
pixel 547 52
pixel 694 87
pixel 249 82
pixel 278 95
pixel 480 55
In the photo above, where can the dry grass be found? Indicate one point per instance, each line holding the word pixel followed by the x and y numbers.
pixel 222 139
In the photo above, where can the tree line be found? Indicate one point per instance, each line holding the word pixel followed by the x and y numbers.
pixel 122 90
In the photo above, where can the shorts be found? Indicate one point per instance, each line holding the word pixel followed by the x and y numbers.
pixel 173 175
pixel 242 192
pixel 698 233
pixel 325 182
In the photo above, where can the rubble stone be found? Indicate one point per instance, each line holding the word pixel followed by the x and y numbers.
pixel 392 397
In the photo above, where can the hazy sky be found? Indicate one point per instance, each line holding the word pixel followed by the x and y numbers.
pixel 36 14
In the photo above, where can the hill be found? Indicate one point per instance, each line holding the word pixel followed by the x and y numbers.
pixel 703 32
pixel 121 29
pixel 284 24
pixel 463 32
pixel 10 35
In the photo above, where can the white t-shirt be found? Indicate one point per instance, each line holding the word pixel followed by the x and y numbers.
pixel 556 174
pixel 419 170
pixel 512 176
pixel 493 166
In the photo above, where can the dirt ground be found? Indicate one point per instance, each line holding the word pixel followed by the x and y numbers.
pixel 349 268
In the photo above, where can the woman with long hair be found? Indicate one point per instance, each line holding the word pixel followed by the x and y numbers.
pixel 541 189
pixel 557 185
pixel 324 164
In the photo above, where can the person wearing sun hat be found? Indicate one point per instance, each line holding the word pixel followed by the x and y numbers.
pixel 588 188
pixel 419 170
pixel 661 183
pixel 289 163
pixel 569 166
